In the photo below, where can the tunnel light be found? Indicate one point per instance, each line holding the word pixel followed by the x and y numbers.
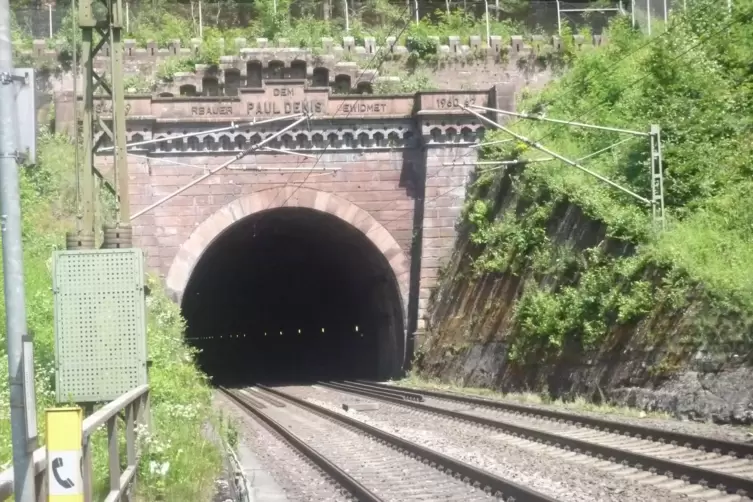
pixel 322 330
pixel 265 333
pixel 280 333
pixel 299 331
pixel 356 328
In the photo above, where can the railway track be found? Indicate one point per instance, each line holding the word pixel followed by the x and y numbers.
pixel 704 468
pixel 371 464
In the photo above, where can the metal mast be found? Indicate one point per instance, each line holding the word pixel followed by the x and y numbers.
pixel 101 22
pixel 20 362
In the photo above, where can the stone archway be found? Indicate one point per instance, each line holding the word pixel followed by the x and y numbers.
pixel 202 237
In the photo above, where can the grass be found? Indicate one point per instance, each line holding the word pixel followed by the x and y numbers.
pixel 699 89
pixel 179 463
pixel 578 404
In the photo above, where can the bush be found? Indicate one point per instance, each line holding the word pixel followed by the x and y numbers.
pixel 178 463
pixel 696 82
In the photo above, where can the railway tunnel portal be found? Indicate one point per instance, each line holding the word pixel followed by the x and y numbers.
pixel 314 255
pixel 314 287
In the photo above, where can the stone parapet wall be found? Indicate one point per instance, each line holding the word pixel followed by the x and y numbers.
pixel 348 50
pixel 343 65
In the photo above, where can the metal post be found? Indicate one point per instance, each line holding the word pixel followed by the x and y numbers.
pixel 447 4
pixel 128 18
pixel 21 411
pixel 657 177
pixel 666 13
pixel 347 18
pixel 49 17
pixel 86 169
pixel 488 31
pixel 632 11
pixel 77 166
pixel 648 16
pixel 118 115
pixel 559 19
pixel 201 21
pixel 415 5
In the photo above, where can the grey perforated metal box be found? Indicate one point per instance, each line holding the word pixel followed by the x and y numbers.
pixel 100 323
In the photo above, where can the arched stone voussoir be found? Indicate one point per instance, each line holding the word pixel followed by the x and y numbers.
pixel 207 232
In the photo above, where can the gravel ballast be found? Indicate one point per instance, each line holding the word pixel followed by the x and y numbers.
pixel 532 465
pixel 386 472
pixel 301 481
pixel 736 433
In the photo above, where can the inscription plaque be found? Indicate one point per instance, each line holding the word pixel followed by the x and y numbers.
pixel 450 102
pixel 363 108
pixel 283 100
pixel 284 107
pixel 105 108
pixel 220 109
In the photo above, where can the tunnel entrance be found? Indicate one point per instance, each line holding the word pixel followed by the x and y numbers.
pixel 294 294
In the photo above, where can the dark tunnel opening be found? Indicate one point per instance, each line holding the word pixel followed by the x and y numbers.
pixel 291 295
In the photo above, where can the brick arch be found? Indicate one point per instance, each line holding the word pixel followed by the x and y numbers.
pixel 205 234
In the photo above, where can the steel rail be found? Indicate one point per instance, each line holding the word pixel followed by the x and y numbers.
pixel 375 393
pixel 501 488
pixel 407 394
pixel 344 479
pixel 729 483
pixel 268 399
pixel 731 448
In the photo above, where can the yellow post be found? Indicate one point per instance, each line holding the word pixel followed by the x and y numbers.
pixel 64 455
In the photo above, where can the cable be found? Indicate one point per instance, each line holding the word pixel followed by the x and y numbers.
pixel 724 27
pixel 319 158
pixel 610 70
pixel 701 40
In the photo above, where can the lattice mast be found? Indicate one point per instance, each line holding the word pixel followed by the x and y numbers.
pixel 101 22
pixel 99 294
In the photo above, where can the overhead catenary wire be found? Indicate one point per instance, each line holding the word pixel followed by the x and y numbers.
pixel 235 158
pixel 582 117
pixel 604 101
pixel 573 86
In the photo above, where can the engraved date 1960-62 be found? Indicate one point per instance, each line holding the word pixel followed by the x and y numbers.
pixel 455 102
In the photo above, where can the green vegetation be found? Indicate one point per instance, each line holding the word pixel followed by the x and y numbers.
pixel 165 22
pixel 578 404
pixel 178 463
pixel 301 25
pixel 697 83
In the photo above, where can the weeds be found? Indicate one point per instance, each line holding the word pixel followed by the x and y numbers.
pixel 578 296
pixel 178 463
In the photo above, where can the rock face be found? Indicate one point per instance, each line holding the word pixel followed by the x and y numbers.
pixel 724 396
pixel 675 359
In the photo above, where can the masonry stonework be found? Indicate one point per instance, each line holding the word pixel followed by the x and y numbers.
pixel 395 168
pixel 342 65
